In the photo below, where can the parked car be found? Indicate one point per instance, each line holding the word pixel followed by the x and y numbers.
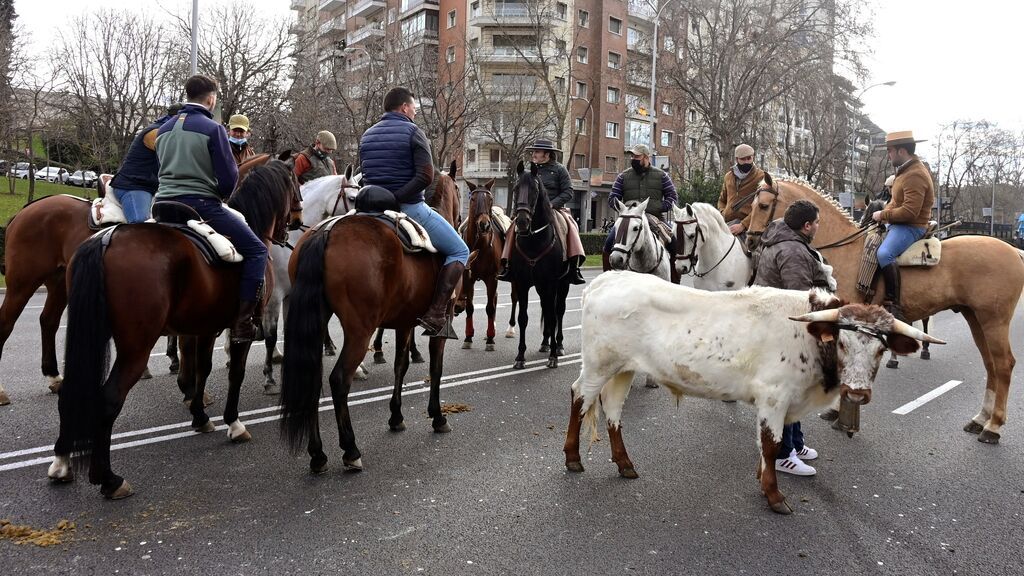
pixel 52 174
pixel 83 178
pixel 20 170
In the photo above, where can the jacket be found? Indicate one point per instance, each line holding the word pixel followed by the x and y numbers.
pixel 195 158
pixel 913 195
pixel 557 183
pixel 787 260
pixel 732 191
pixel 140 168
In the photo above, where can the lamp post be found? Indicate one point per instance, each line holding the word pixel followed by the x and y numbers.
pixel 194 62
pixel 654 66
pixel 855 131
pixel 585 207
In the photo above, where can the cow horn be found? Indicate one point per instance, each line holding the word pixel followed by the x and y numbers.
pixel 907 330
pixel 830 315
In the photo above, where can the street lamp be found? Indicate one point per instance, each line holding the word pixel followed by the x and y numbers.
pixel 654 64
pixel 585 208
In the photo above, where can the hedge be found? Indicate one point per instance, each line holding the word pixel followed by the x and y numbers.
pixel 593 242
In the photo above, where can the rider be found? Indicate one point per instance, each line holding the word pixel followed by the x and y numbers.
pixel 136 180
pixel 395 155
pixel 197 169
pixel 906 215
pixel 641 181
pixel 738 186
pixel 558 186
pixel 315 161
pixel 238 136
pixel 787 261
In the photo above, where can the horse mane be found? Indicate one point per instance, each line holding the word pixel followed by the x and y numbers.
pixel 711 217
pixel 262 197
pixel 825 196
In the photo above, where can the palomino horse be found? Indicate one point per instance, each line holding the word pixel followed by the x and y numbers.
pixel 978 276
pixel 485 246
pixel 637 247
pixel 708 251
pixel 536 261
pixel 358 271
pixel 141 281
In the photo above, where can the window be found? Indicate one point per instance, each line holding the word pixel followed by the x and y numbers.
pixel 579 161
pixel 560 84
pixel 614 60
pixel 560 46
pixel 581 127
pixel 584 17
pixel 666 108
pixel 611 129
pixel 613 95
pixel 581 89
pixel 695 26
pixel 471 156
pixel 449 55
pixel 582 55
pixel 474 9
pixel 666 138
pixel 451 19
pixel 615 25
pixel 474 43
pixel 561 10
pixel 691 143
pixel 611 164
pixel 670 44
pixel 691 115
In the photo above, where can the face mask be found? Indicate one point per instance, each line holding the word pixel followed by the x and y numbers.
pixel 237 141
pixel 319 153
pixel 745 167
pixel 637 165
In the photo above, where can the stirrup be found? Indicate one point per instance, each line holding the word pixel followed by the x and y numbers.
pixel 444 331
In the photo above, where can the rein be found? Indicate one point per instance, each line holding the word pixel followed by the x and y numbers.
pixel 849 239
pixel 692 256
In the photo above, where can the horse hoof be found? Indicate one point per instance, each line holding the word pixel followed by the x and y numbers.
pixel 271 388
pixel 59 471
pixel 174 367
pixel 988 437
pixel 510 333
pixel 55 382
pixel 830 415
pixel 442 429
pixel 378 358
pixel 205 428
pixel 467 345
pixel 489 347
pixel 4 398
pixel 560 351
pixel 146 374
pixel 973 427
pixel 629 473
pixel 574 466
pixel 781 507
pixel 651 384
pixel 544 349
pixel 553 362
pixel 276 357
pixel 361 373
pixel 400 427
pixel 237 433
pixel 519 365
pixel 353 465
pixel 892 364
pixel 123 491
pixel 417 359
pixel 318 465
pixel 926 355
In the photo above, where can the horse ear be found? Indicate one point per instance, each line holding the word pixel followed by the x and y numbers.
pixel 768 179
pixel 348 172
pixel 689 210
pixel 489 184
pixel 453 170
pixel 643 205
pixel 285 156
pixel 519 168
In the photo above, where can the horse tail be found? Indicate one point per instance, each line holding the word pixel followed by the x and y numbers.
pixel 86 349
pixel 302 369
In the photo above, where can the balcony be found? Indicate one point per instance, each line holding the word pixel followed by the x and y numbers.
pixel 333 27
pixel 639 79
pixel 366 8
pixel 297 5
pixel 329 5
pixel 371 30
pixel 297 28
pixel 503 14
pixel 485 170
pixel 507 55
pixel 418 5
pixel 421 37
pixel 640 10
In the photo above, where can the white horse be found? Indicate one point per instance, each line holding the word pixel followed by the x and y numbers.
pixel 637 247
pixel 707 250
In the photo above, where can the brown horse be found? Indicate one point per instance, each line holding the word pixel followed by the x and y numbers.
pixel 358 271
pixel 140 281
pixel 978 276
pixel 485 246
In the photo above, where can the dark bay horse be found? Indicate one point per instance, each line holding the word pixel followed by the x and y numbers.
pixel 141 281
pixel 359 272
pixel 485 247
pixel 536 261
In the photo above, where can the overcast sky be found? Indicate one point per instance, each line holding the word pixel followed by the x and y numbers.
pixel 949 60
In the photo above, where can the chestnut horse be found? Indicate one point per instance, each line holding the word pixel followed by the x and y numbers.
pixel 359 272
pixel 140 281
pixel 978 276
pixel 485 246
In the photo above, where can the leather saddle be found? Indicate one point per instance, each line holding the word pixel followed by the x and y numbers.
pixel 379 203
pixel 210 244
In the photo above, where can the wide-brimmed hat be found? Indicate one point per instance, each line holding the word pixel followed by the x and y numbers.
pixel 238 121
pixel 544 145
pixel 898 138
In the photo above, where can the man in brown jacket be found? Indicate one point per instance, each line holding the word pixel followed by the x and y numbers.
pixel 739 182
pixel 906 215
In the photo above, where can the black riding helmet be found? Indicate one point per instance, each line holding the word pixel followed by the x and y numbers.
pixel 375 199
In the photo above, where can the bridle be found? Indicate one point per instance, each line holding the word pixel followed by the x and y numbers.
pixel 771 211
pixel 342 198
pixel 620 241
pixel 528 209
pixel 473 202
pixel 692 256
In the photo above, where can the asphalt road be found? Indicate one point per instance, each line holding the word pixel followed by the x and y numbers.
pixel 910 494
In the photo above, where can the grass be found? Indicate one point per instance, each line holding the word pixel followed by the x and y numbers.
pixel 593 260
pixel 11 203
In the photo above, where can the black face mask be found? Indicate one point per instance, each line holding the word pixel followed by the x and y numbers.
pixel 319 153
pixel 638 167
pixel 745 167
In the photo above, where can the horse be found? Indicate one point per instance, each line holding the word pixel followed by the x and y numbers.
pixel 537 261
pixel 708 251
pixel 978 276
pixel 637 247
pixel 485 245
pixel 358 271
pixel 133 284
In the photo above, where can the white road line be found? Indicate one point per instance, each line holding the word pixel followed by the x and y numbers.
pixel 915 404
pixel 412 387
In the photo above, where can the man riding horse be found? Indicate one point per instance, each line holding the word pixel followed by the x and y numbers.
pixel 558 186
pixel 315 161
pixel 395 156
pixel 137 180
pixel 738 186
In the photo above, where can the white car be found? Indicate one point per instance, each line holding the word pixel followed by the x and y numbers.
pixel 20 170
pixel 52 174
pixel 84 178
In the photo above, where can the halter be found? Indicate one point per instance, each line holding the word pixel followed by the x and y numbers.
pixel 620 237
pixel 489 233
pixel 771 213
pixel 342 197
pixel 692 256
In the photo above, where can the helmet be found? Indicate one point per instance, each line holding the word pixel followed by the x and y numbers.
pixel 375 199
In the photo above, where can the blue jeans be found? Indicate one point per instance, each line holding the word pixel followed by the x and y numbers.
pixel 442 235
pixel 897 239
pixel 136 204
pixel 792 439
pixel 252 249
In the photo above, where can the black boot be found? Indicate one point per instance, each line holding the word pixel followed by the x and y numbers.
pixel 436 321
pixel 605 262
pixel 247 325
pixel 891 276
pixel 504 275
pixel 573 272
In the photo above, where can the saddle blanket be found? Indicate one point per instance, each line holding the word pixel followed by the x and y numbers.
pixel 413 236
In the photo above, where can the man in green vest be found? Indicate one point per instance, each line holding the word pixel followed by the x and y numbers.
pixel 641 181
pixel 315 162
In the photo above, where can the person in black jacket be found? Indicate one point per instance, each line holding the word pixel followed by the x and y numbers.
pixel 136 181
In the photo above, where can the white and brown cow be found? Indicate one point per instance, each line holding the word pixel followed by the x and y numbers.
pixel 742 345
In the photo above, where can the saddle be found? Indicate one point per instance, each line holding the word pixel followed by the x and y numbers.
pixel 662 231
pixel 411 234
pixel 925 252
pixel 106 210
pixel 215 248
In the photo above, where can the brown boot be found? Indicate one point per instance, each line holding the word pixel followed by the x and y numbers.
pixel 891 276
pixel 436 321
pixel 247 326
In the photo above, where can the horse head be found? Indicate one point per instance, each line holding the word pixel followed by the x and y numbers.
pixel 270 200
pixel 689 237
pixel 445 197
pixel 481 201
pixel 632 234
pixel 766 200
pixel 531 199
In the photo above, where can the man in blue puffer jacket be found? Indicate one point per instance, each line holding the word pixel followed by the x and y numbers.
pixel 395 155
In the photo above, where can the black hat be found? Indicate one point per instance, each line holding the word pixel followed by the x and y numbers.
pixel 544 145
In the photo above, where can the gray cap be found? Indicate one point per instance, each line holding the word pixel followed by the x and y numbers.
pixel 744 150
pixel 327 139
pixel 640 150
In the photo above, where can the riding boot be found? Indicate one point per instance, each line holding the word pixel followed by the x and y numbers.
pixel 245 328
pixel 891 276
pixel 504 275
pixel 436 321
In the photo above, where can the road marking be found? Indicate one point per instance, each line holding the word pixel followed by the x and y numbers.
pixel 410 388
pixel 915 404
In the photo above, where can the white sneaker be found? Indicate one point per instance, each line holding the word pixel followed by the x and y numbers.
pixel 794 465
pixel 807 454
